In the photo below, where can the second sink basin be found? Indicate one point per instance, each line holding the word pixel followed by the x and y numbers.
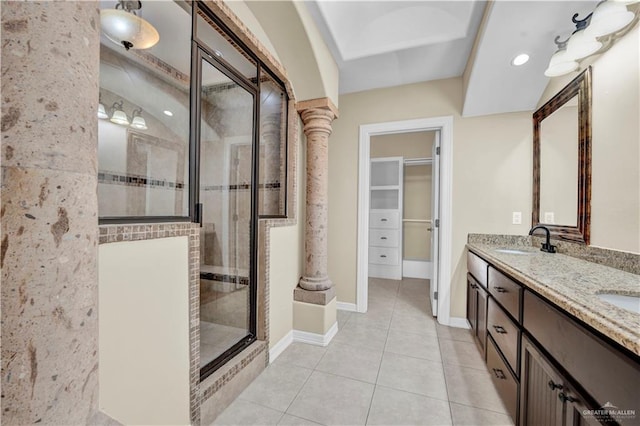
pixel 630 303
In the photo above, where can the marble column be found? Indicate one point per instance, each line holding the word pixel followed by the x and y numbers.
pixel 317 117
pixel 50 64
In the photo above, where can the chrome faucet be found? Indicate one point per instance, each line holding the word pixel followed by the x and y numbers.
pixel 546 247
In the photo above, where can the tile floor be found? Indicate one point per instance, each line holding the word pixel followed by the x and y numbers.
pixel 394 365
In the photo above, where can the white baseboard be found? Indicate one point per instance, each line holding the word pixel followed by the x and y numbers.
pixel 417 269
pixel 278 348
pixel 315 338
pixel 459 322
pixel 345 306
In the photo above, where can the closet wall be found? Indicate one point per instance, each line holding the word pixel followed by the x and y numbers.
pixel 417 186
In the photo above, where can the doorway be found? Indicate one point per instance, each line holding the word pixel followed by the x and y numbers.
pixel 431 226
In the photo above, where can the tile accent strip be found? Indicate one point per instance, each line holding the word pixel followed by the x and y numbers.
pixel 114 178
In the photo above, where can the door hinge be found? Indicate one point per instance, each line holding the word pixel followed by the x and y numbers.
pixel 437 150
pixel 437 223
pixel 435 295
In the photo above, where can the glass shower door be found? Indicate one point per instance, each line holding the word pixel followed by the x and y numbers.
pixel 225 193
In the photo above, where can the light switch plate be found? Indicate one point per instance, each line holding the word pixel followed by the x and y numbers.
pixel 549 218
pixel 517 218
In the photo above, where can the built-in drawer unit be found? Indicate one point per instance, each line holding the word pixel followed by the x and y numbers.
pixel 608 374
pixel 505 333
pixel 384 255
pixel 384 219
pixel 506 291
pixel 478 268
pixel 383 238
pixel 503 379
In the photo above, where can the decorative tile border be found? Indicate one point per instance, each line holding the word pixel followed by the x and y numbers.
pixel 113 178
pixel 224 278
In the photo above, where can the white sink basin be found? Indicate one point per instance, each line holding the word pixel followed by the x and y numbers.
pixel 630 303
pixel 513 251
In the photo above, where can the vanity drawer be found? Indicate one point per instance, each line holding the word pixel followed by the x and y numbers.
pixel 505 333
pixel 384 255
pixel 478 268
pixel 606 373
pixel 384 219
pixel 505 383
pixel 506 291
pixel 383 238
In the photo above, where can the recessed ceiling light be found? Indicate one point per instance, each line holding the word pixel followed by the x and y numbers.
pixel 521 59
pixel 167 112
pixel 218 53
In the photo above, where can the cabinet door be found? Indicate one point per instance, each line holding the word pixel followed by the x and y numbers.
pixel 540 387
pixel 482 319
pixel 577 411
pixel 472 303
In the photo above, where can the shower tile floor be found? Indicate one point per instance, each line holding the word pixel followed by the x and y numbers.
pixel 394 365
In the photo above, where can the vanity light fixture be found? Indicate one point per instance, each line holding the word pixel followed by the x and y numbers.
pixel 118 116
pixel 137 121
pixel 594 34
pixel 521 59
pixel 123 27
pixel 102 111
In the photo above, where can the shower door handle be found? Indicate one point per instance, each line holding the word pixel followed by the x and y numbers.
pixel 199 214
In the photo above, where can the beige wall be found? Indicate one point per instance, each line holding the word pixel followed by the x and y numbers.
pixel 144 331
pixel 491 173
pixel 615 175
pixel 416 241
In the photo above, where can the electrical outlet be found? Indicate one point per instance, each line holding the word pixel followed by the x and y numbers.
pixel 517 218
pixel 549 218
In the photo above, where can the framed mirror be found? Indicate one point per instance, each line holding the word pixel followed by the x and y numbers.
pixel 562 162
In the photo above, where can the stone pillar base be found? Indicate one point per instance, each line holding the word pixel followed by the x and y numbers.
pixel 315 319
pixel 315 284
pixel 319 297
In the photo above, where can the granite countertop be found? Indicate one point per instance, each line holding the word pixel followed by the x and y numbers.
pixel 573 285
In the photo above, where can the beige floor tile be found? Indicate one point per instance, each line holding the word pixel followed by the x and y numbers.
pixel 277 386
pixel 362 336
pixel 412 375
pixel 394 407
pixel 289 420
pixel 413 323
pixel 413 345
pixel 343 317
pixel 242 412
pixel 333 400
pixel 465 354
pixel 454 333
pixel 301 355
pixel 470 416
pixel 351 361
pixel 472 387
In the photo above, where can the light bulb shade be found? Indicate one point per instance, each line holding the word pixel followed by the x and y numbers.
pixel 119 117
pixel 560 64
pixel 102 112
pixel 128 30
pixel 139 123
pixel 609 17
pixel 582 44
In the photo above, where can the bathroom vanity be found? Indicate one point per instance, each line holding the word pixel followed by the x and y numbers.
pixel 558 353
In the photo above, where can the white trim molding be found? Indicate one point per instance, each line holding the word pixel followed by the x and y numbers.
pixel 345 306
pixel 417 269
pixel 459 322
pixel 278 348
pixel 315 338
pixel 445 126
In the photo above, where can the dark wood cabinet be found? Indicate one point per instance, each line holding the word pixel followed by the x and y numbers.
pixel 477 312
pixel 548 397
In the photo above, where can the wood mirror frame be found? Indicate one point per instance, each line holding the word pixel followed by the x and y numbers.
pixel 581 87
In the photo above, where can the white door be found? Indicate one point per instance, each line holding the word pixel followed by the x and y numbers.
pixel 435 225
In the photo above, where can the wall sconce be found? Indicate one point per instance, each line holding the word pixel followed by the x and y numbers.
pixel 594 34
pixel 118 116
pixel 123 27
pixel 137 121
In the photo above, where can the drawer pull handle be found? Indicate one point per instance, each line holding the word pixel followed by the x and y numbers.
pixel 383 220
pixel 554 386
pixel 501 289
pixel 473 286
pixel 383 255
pixel 499 374
pixel 500 329
pixel 383 238
pixel 566 398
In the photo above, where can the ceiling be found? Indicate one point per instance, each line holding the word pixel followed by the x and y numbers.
pixel 388 43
